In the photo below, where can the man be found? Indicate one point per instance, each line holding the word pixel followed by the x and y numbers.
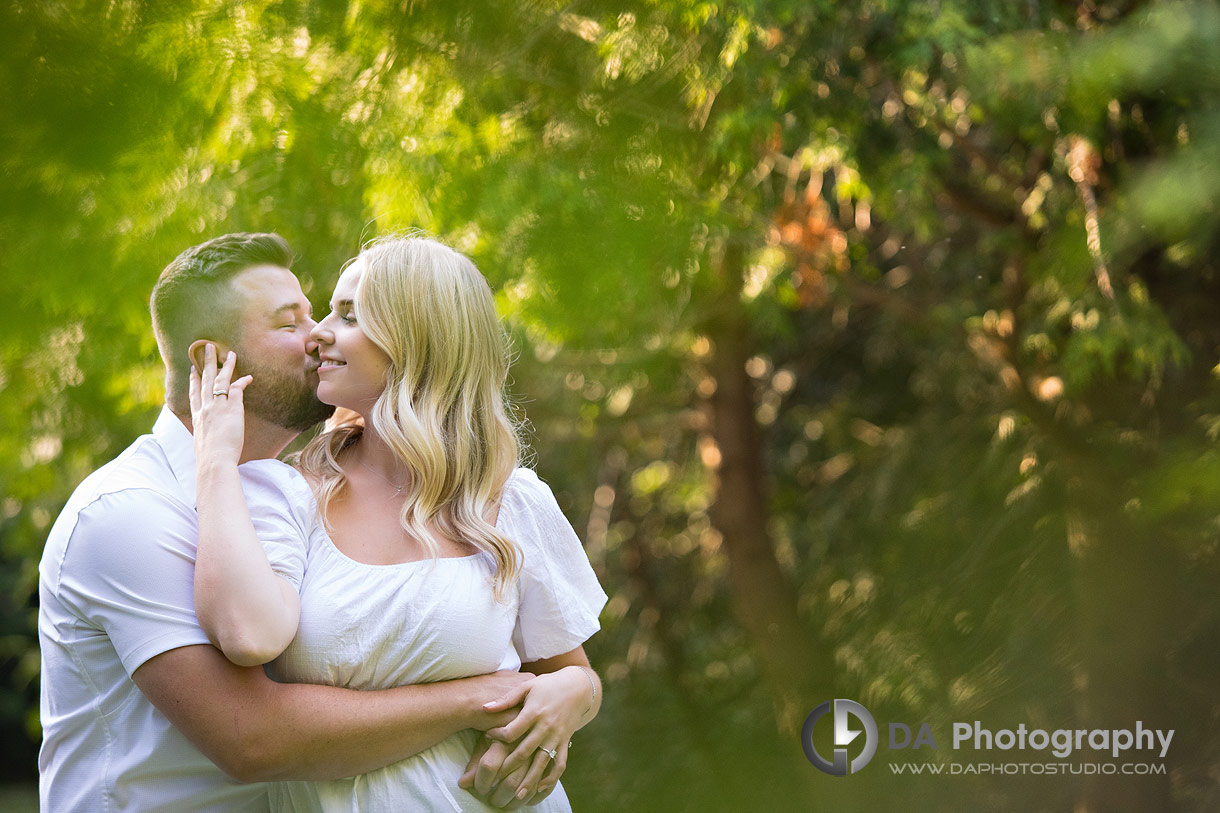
pixel 138 709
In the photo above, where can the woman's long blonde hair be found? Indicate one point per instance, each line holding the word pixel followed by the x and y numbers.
pixel 443 411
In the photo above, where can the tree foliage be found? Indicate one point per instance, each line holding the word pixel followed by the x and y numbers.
pixel 870 346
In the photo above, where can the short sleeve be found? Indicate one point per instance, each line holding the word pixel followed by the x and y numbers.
pixel 282 509
pixel 129 571
pixel 561 598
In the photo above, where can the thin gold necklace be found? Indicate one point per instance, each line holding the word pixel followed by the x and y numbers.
pixel 383 478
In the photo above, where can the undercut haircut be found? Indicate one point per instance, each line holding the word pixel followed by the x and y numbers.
pixel 188 301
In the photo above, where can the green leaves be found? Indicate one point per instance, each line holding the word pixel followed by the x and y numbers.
pixel 966 249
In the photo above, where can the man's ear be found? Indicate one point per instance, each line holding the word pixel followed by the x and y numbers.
pixel 196 352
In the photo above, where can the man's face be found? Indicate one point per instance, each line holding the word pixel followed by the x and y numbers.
pixel 274 323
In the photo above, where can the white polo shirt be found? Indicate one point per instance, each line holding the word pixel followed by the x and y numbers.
pixel 115 588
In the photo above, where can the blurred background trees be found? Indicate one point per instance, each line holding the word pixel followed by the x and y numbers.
pixel 870 347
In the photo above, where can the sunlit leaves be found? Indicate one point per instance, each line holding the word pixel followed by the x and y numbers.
pixel 933 356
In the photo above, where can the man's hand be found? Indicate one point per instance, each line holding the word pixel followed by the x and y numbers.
pixel 516 789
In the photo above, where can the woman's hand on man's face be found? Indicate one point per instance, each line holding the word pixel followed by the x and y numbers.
pixel 218 415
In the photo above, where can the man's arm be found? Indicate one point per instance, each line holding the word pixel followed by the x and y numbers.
pixel 257 730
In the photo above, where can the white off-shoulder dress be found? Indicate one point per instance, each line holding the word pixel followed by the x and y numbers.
pixel 379 626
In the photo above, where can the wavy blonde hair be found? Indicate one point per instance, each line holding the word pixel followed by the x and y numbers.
pixel 443 410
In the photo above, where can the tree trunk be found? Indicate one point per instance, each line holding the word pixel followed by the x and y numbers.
pixel 796 666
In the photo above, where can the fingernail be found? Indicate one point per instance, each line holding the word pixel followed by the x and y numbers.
pixel 521 793
pixel 229 355
pixel 489 704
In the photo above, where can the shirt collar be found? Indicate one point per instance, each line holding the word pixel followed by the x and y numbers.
pixel 179 446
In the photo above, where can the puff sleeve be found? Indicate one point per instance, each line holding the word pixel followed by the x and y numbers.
pixel 282 509
pixel 560 595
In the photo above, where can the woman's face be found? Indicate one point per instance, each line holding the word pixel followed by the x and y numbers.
pixel 353 369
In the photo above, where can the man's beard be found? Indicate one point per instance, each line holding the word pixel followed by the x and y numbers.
pixel 282 400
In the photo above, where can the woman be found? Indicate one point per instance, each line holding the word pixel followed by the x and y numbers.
pixel 410 547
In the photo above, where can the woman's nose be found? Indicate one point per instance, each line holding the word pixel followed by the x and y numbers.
pixel 321 333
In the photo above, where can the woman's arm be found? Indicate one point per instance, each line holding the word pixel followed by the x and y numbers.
pixel 247 611
pixel 564 697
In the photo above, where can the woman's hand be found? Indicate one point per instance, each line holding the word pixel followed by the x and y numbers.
pixel 218 415
pixel 247 611
pixel 555 706
pixel 512 792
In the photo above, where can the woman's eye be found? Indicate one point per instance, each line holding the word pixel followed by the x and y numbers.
pixel 348 319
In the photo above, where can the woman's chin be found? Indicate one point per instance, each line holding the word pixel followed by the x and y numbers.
pixel 329 398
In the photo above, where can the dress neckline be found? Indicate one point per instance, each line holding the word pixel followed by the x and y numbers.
pixel 402 565
pixel 396 565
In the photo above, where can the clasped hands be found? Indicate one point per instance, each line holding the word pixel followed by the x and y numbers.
pixel 512 765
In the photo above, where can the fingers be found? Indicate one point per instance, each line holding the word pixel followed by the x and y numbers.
pixel 514 730
pixel 519 758
pixel 506 793
pixel 550 779
pixel 224 376
pixel 489 766
pixel 210 383
pixel 193 393
pixel 542 793
pixel 499 719
pixel 529 784
pixel 466 780
pixel 514 803
pixel 217 405
pixel 513 697
pixel 498 733
pixel 207 373
pixel 213 378
pixel 524 751
pixel 553 772
pixel 237 389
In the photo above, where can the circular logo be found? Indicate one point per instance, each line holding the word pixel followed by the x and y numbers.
pixel 843 735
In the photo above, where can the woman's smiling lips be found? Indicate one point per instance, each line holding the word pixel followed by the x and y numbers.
pixel 330 364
